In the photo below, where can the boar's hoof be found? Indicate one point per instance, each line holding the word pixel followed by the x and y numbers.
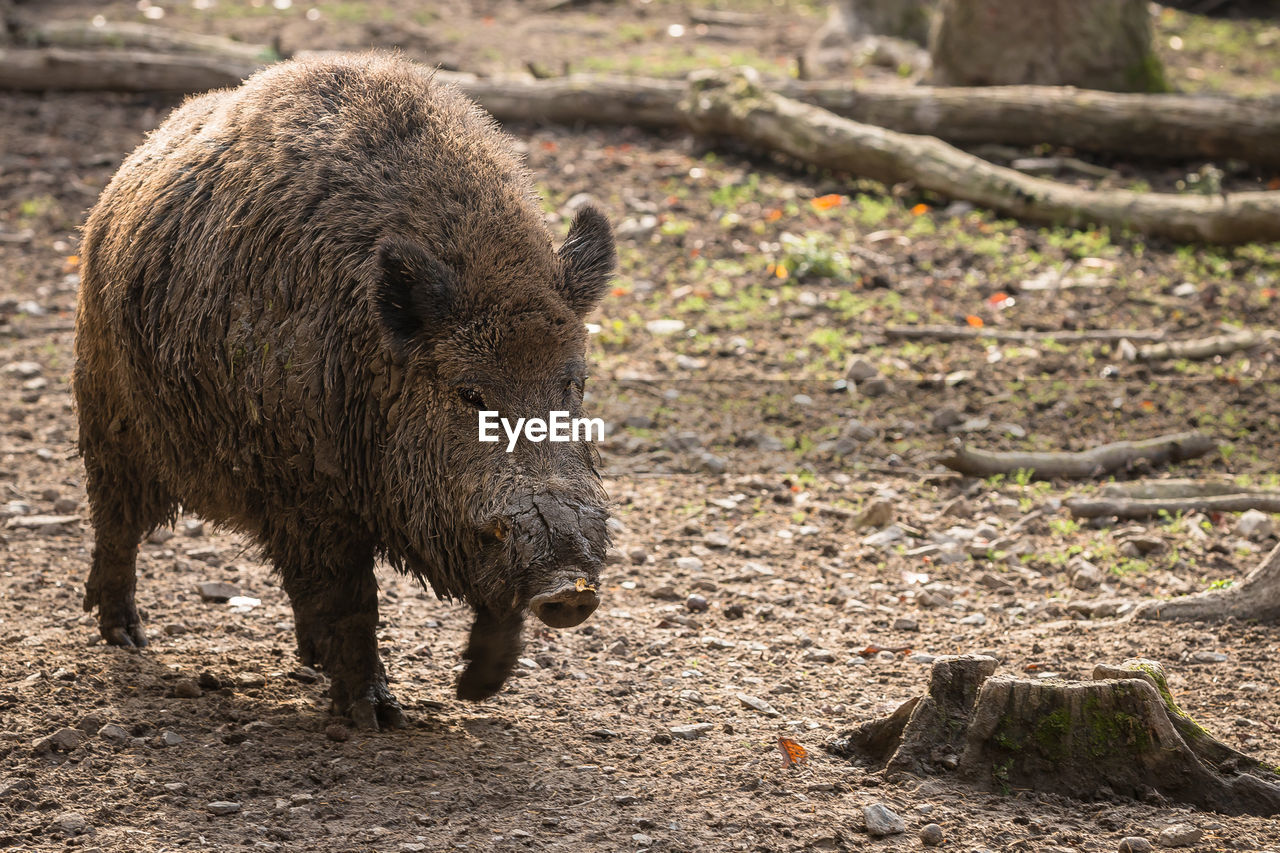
pixel 565 607
pixel 118 620
pixel 128 636
pixel 373 712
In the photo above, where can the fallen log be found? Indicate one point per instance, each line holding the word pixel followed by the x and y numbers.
pixel 1159 127
pixel 1210 347
pixel 1082 465
pixel 1137 508
pixel 55 68
pixel 737 107
pixel 1119 734
pixel 1166 489
pixel 1255 598
pixel 959 333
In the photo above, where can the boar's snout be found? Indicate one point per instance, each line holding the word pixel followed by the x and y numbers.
pixel 567 602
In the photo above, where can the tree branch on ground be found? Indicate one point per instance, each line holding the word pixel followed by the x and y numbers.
pixel 1210 347
pixel 737 107
pixel 1083 465
pixel 1257 597
pixel 1157 127
pixel 1022 336
pixel 734 106
pixel 1136 508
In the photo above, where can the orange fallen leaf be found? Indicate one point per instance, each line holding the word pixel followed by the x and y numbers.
pixel 975 321
pixel 1268 293
pixel 1147 406
pixel 920 209
pixel 620 291
pixel 781 272
pixel 826 202
pixel 70 262
pixel 772 215
pixel 792 752
pixel 1273 184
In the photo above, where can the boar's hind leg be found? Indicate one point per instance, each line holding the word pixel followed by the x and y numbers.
pixel 335 613
pixel 491 653
pixel 126 503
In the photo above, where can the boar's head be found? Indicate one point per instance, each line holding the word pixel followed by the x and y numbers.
pixel 495 330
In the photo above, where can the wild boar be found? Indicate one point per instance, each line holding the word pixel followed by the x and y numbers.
pixel 296 297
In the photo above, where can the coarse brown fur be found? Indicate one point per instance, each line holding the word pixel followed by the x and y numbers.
pixel 296 295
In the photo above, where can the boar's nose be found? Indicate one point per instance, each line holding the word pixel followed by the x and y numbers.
pixel 566 603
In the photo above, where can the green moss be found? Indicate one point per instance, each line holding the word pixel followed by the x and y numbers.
pixel 1051 734
pixel 1147 75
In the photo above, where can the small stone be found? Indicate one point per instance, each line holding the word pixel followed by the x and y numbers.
pixel 905 624
pixel 978 619
pixel 223 807
pixel 166 739
pixel 175 629
pixel 664 327
pixel 693 731
pixel 638 556
pixel 1084 574
pixel 65 506
pixel 217 592
pixel 734 611
pixel 1208 657
pixel 192 527
pixel 689 564
pixel 1255 525
pixel 603 734
pixel 931 835
pixel 1135 844
pixel 71 823
pixel 208 680
pixel 1180 835
pixel 758 704
pixel 820 656
pixel 876 386
pixel 626 799
pixel 160 535
pixel 642 840
pixel 307 675
pixel 696 603
pixel 175 787
pixel 882 821
pixel 23 369
pixel 187 688
pixel 63 740
pixel 662 738
pixel 112 732
pixel 250 680
pixel 337 732
pixel 860 370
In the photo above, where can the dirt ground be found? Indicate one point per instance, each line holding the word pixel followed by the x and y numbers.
pixel 738 457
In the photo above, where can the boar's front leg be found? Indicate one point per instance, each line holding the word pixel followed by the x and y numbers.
pixel 335 613
pixel 492 651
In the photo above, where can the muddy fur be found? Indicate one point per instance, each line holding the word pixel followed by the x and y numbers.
pixel 296 295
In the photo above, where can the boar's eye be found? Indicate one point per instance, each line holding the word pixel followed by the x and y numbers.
pixel 471 397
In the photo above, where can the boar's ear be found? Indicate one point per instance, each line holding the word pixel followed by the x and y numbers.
pixel 413 290
pixel 588 258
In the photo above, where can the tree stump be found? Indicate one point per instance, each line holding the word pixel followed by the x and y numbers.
pixel 1119 735
pixel 1093 44
pixel 891 32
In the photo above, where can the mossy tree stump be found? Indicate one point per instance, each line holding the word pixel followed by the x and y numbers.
pixel 1119 735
